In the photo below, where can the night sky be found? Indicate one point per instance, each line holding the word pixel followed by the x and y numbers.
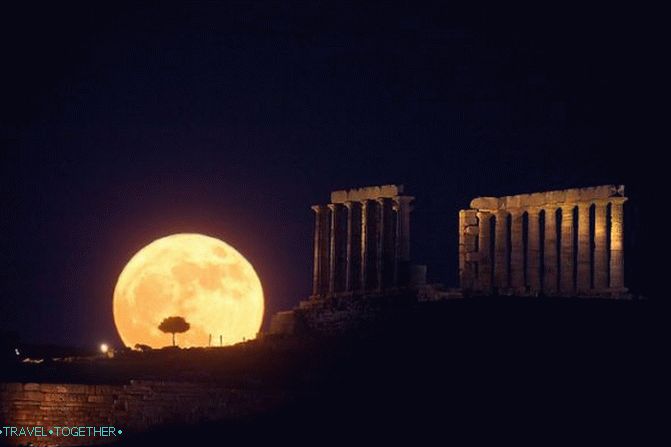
pixel 122 124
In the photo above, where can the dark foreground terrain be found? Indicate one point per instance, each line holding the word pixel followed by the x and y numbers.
pixel 505 370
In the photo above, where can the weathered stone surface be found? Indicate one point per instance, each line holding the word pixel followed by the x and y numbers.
pixel 566 278
pixel 137 406
pixel 367 193
pixel 600 248
pixel 53 388
pixel 583 281
pixel 517 251
pixel 501 250
pixel 486 203
pixel 472 257
pixel 557 197
pixel 550 285
pixel 533 252
pixel 616 245
pixel 479 258
pixel 11 387
pixel 484 274
pixel 362 241
pixel 282 323
pixel 470 217
pixel 472 229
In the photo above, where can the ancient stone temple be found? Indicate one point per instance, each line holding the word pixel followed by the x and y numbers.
pixel 564 243
pixel 362 241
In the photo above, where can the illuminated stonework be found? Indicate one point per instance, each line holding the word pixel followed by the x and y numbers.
pixel 362 241
pixel 563 243
pixel 134 408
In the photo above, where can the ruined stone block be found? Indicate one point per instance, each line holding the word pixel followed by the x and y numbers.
pixel 470 217
pixel 485 203
pixel 471 230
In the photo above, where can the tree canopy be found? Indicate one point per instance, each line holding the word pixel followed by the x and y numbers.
pixel 174 325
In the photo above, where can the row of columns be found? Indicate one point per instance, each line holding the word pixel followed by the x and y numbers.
pixel 361 246
pixel 558 261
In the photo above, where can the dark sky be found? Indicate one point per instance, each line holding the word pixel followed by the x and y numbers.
pixel 123 123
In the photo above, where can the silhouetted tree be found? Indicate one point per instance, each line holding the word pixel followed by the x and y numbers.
pixel 174 325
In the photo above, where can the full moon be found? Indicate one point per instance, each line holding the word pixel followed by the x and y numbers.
pixel 200 278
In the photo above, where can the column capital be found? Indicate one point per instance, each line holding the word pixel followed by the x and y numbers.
pixel 567 206
pixel 533 210
pixel 516 211
pixel 618 200
pixel 318 208
pixel 402 201
pixel 348 204
pixel 601 202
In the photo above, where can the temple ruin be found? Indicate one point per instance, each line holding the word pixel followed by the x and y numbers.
pixel 362 242
pixel 562 243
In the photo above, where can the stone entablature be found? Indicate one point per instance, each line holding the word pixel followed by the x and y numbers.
pixel 567 243
pixel 362 241
pixel 367 193
pixel 544 199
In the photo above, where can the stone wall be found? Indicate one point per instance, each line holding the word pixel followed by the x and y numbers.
pixel 344 315
pixel 283 323
pixel 134 407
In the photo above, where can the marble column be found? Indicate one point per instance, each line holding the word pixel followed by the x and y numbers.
pixel 501 250
pixel 550 252
pixel 566 282
pixel 350 245
pixel 533 251
pixel 462 247
pixel 468 249
pixel 389 243
pixel 334 243
pixel 600 246
pixel 617 243
pixel 583 281
pixel 403 206
pixel 517 250
pixel 379 241
pixel 397 243
pixel 383 250
pixel 484 257
pixel 320 253
pixel 368 244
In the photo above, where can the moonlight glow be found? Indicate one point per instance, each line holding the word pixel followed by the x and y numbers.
pixel 197 277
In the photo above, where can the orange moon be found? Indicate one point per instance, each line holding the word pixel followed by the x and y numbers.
pixel 197 277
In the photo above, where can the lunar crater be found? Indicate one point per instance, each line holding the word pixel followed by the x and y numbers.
pixel 197 277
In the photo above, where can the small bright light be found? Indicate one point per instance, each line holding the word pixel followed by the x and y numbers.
pixel 16 351
pixel 104 348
